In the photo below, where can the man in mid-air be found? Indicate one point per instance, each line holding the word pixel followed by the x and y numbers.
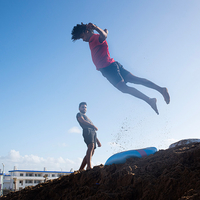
pixel 112 70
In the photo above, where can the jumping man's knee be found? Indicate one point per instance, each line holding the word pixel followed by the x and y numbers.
pixel 122 87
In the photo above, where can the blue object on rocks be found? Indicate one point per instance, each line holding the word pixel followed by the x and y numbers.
pixel 120 158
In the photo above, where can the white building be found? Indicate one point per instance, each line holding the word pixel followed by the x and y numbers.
pixel 19 179
pixel 4 182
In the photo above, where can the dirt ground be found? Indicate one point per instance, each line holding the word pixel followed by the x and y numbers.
pixel 172 174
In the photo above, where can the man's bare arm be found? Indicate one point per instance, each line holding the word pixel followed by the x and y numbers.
pixel 98 143
pixel 103 33
pixel 83 121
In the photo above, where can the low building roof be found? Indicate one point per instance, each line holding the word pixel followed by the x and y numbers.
pixel 34 171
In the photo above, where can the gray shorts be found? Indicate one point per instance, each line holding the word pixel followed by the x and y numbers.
pixel 115 73
pixel 90 136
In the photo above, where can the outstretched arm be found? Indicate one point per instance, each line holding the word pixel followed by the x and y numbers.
pixel 83 121
pixel 103 33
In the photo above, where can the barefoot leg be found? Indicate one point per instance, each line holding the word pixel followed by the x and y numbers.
pixel 166 95
pixel 134 92
pixel 137 80
pixel 152 103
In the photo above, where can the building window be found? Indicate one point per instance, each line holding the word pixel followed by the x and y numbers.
pixel 21 174
pixel 29 181
pixel 53 175
pixel 37 181
pixel 29 174
pixel 37 174
pixel 21 182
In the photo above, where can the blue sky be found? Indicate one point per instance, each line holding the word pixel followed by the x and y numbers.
pixel 44 76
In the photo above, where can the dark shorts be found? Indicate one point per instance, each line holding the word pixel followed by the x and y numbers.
pixel 115 73
pixel 90 136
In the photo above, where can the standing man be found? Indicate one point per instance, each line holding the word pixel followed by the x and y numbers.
pixel 112 70
pixel 89 135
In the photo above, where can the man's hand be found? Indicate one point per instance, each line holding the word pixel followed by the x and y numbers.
pixel 98 143
pixel 103 33
pixel 106 30
pixel 83 121
pixel 91 26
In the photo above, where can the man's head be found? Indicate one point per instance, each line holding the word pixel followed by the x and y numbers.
pixel 80 31
pixel 83 107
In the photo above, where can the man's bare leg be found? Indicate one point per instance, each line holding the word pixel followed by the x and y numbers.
pixel 152 103
pixel 85 159
pixel 89 155
pixel 83 164
pixel 134 92
pixel 165 94
pixel 137 80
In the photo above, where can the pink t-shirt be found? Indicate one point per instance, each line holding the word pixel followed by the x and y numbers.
pixel 100 54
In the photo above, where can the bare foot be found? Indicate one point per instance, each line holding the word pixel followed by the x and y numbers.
pixel 166 95
pixel 152 103
pixel 81 170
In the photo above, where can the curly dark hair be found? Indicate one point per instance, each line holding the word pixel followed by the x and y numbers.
pixel 78 30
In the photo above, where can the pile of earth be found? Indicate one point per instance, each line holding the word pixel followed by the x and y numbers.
pixel 168 174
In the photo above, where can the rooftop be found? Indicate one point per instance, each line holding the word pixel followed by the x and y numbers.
pixel 34 171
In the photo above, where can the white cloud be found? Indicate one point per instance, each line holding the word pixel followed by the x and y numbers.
pixel 34 162
pixel 74 129
pixel 14 155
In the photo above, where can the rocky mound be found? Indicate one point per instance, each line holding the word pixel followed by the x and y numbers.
pixel 172 174
pixel 184 142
